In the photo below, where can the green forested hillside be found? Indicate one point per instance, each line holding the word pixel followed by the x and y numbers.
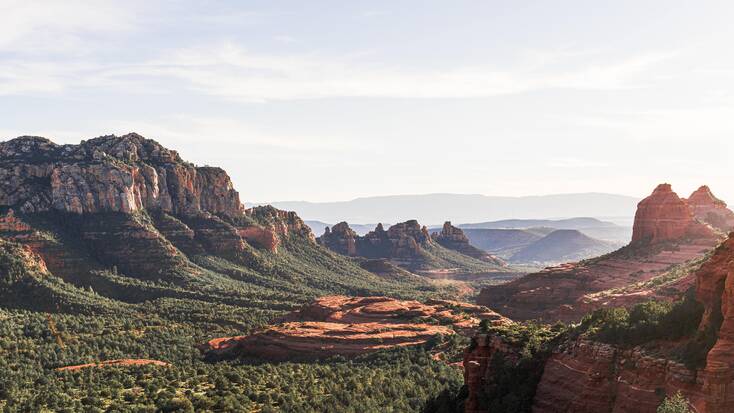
pixel 94 311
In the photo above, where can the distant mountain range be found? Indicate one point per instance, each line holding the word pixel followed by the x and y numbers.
pixel 541 245
pixel 592 227
pixel 437 208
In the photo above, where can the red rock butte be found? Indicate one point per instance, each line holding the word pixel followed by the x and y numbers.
pixel 706 207
pixel 663 216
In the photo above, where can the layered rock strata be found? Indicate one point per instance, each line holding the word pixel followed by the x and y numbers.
pixel 663 216
pixel 135 205
pixel 340 325
pixel 706 207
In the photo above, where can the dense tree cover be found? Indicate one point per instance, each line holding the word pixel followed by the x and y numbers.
pixel 676 403
pixel 398 380
pixel 656 320
pixel 48 322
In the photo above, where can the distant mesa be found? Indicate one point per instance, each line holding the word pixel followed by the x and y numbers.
pixel 666 234
pixel 349 326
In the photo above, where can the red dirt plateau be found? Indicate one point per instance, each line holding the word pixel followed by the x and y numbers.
pixel 350 326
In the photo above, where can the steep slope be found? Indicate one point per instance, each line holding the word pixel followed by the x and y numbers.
pixel 563 245
pixel 117 253
pixel 133 221
pixel 617 361
pixel 665 235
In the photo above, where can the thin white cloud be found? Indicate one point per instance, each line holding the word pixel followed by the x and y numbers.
pixel 576 163
pixel 55 27
pixel 229 71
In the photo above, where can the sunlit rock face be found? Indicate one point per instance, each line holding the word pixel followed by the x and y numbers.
pixel 349 326
pixel 706 207
pixel 109 174
pixel 129 203
pixel 663 216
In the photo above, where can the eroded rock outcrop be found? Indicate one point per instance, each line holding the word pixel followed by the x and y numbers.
pixel 340 238
pixel 663 216
pixel 453 238
pixel 109 174
pixel 706 207
pixel 666 235
pixel 353 325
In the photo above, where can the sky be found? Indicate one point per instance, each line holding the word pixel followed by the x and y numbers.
pixel 333 100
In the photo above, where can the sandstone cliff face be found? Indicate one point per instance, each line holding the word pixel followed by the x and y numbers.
pixel 135 205
pixel 666 234
pixel 340 238
pixel 707 208
pixel 109 174
pixel 400 241
pixel 663 216
pixel 715 290
pixel 453 238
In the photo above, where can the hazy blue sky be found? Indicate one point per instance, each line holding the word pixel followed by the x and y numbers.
pixel 330 100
